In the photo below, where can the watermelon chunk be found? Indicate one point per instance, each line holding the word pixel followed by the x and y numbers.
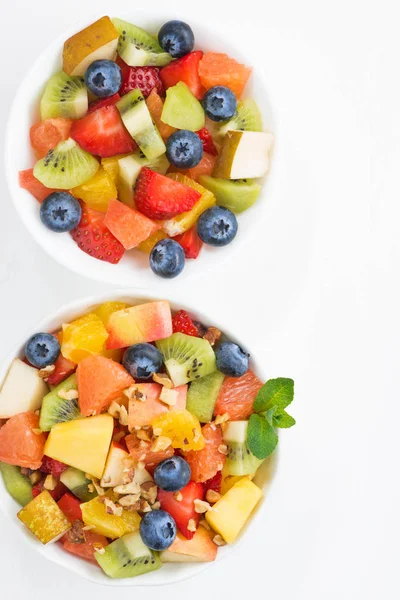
pixel 128 225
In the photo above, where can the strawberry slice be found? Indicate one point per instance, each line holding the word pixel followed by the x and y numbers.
pixel 208 144
pixel 143 78
pixel 110 101
pixel 102 133
pixel 71 507
pixel 50 465
pixel 93 237
pixel 56 494
pixel 182 323
pixel 190 242
pixel 183 511
pixel 185 69
pixel 159 197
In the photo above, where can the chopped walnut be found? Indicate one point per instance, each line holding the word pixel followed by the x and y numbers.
pixel 90 488
pixel 201 507
pixel 129 488
pixel 141 464
pixel 168 396
pixel 129 500
pixel 162 443
pixel 68 394
pixel 143 435
pixel 219 540
pixel 50 483
pixel 157 431
pixel 95 484
pixel 123 416
pixel 130 392
pixel 46 371
pixel 196 434
pixel 212 496
pixel 76 534
pixel 34 477
pixel 220 466
pixel 163 379
pixel 192 525
pixel 140 396
pixel 137 427
pixel 212 335
pixel 145 506
pixel 149 491
pixel 203 523
pixel 156 506
pixel 114 410
pixel 99 548
pixel 221 418
pixel 111 507
pixel 106 480
pixel 178 496
pixel 223 449
pixel 213 426
pixel 118 436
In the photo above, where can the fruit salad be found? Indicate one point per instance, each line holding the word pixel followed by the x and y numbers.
pixel 146 145
pixel 132 437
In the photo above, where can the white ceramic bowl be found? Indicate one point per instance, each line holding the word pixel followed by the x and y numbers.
pixel 169 573
pixel 133 268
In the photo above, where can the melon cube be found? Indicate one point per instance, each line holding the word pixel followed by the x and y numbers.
pixel 97 41
pixel 142 323
pixel 200 548
pixel 44 518
pixel 23 390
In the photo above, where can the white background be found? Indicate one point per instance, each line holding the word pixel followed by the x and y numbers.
pixel 315 288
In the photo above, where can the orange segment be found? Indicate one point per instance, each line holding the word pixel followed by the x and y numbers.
pixel 20 443
pixel 98 191
pixel 182 428
pixel 83 337
pixel 108 308
pixel 110 165
pixel 220 69
pixel 148 245
pixel 47 134
pixel 207 462
pixel 155 105
pixel 237 396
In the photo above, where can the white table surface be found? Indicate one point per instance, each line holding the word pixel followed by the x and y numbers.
pixel 316 289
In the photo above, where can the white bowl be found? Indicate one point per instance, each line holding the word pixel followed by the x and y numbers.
pixel 169 573
pixel 133 268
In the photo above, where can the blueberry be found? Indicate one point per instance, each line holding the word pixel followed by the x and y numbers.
pixel 217 226
pixel 157 529
pixel 219 103
pixel 172 474
pixel 177 38
pixel 231 359
pixel 60 212
pixel 103 78
pixel 42 349
pixel 184 149
pixel 167 258
pixel 142 360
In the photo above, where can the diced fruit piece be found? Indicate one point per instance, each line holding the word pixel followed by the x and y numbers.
pixel 52 467
pixel 102 133
pixel 182 323
pixel 207 141
pixel 18 486
pixel 142 323
pixel 129 169
pixel 190 242
pixel 117 462
pixel 185 69
pixel 66 166
pixel 181 109
pixel 43 517
pixel 220 69
pixel 129 226
pixel 181 223
pixel 231 512
pixel 239 460
pixel 128 557
pixel 138 48
pixel 186 358
pixel 246 118
pixel 203 394
pixel 21 442
pixel 145 79
pixel 76 481
pixel 229 481
pixel 110 165
pixel 237 396
pixel 63 367
pixel 214 483
pixel 236 194
pixel 142 413
pixel 55 493
pixel 186 518
pixel 64 96
pixel 56 408
pixel 200 548
pixel 208 461
pixel 102 102
pixel 137 119
pixel 45 135
pixel 155 105
pixel 205 167
pixel 71 507
pixel 148 245
pixel 182 428
pixel 82 444
pixel 93 542
pixel 112 526
pixel 100 381
pixel 244 155
pixel 105 310
pixel 22 390
pixel 83 337
pixel 97 192
pixel 97 41
pixel 28 181
pixel 142 452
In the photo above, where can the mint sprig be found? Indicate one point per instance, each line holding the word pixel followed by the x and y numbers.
pixel 269 408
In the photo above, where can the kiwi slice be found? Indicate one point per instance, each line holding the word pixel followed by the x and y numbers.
pixel 128 557
pixel 64 96
pixel 77 483
pixel 181 109
pixel 137 47
pixel 246 118
pixel 66 166
pixel 202 396
pixel 56 409
pixel 18 486
pixel 186 358
pixel 129 168
pixel 137 119
pixel 236 194
pixel 239 460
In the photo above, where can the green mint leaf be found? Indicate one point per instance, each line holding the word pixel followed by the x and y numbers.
pixel 269 415
pixel 261 437
pixel 276 392
pixel 283 420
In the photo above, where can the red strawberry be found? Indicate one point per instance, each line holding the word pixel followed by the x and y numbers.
pixel 93 237
pixel 143 78
pixel 183 510
pixel 58 491
pixel 208 144
pixel 159 197
pixel 190 242
pixel 50 465
pixel 71 507
pixel 102 133
pixel 214 483
pixel 185 69
pixel 63 369
pixel 182 323
pixel 110 101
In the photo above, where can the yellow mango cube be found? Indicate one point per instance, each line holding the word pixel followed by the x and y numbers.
pixel 103 311
pixel 83 337
pixel 98 191
pixel 97 41
pixel 112 526
pixel 43 517
pixel 229 481
pixel 148 245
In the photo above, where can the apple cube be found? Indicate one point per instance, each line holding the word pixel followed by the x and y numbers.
pixel 244 155
pixel 143 413
pixel 200 548
pixel 44 518
pixel 22 390
pixel 143 323
pixel 118 461
pixel 97 41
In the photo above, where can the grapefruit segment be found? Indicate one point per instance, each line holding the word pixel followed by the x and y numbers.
pixel 220 69
pixel 28 181
pixel 21 442
pixel 237 396
pixel 207 462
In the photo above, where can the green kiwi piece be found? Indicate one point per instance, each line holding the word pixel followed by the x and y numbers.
pixel 137 119
pixel 246 118
pixel 236 194
pixel 64 96
pixel 129 168
pixel 137 47
pixel 18 486
pixel 202 396
pixel 239 460
pixel 66 166
pixel 58 410
pixel 181 109
pixel 128 557
pixel 186 358
pixel 77 483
